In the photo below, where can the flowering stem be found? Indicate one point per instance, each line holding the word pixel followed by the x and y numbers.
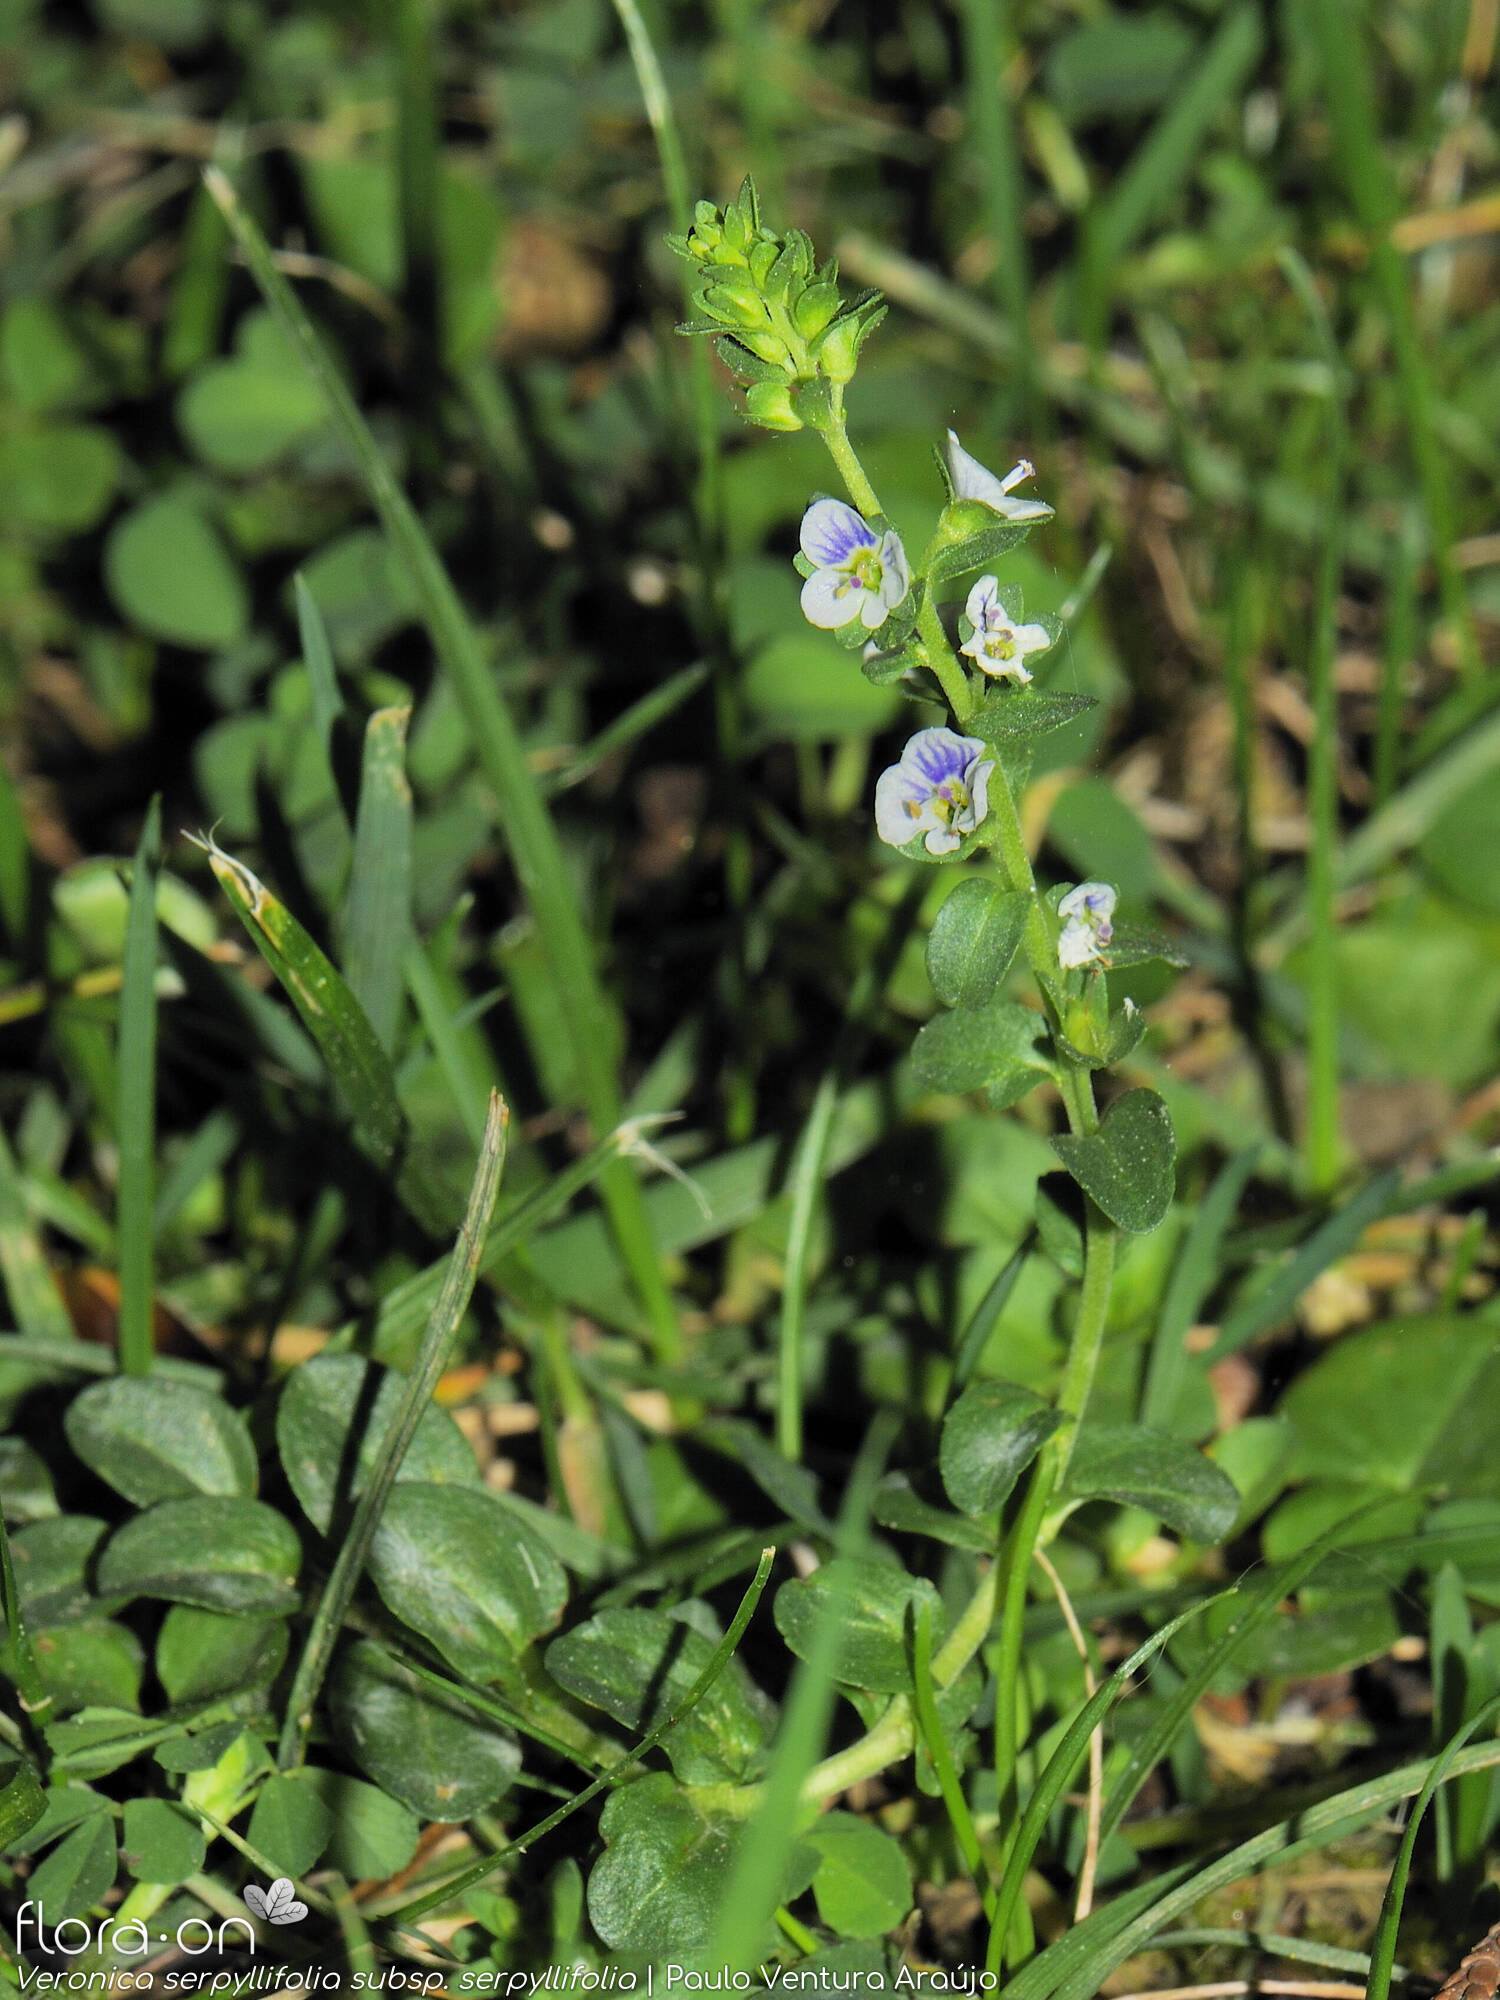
pixel 834 433
pixel 940 658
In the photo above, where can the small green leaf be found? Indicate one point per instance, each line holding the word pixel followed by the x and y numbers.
pixel 428 1749
pixel 154 1440
pixel 223 1554
pixel 319 1407
pixel 172 578
pixel 639 1665
pixel 197 1749
pixel 976 1046
pixel 200 1654
pixel 990 1436
pixel 975 551
pixel 377 908
pixel 457 1567
pixel 290 1824
pixel 26 1492
pixel 373 1836
pixel 1127 1165
pixel 163 1842
pixel 51 1561
pixel 1009 714
pixel 863 1884
pixel 1158 1472
pixel 23 1804
pixel 897 1506
pixel 95 1663
pixel 63 1807
pixel 78 1872
pixel 658 1885
pixel 1139 944
pixel 975 935
pixel 870 1605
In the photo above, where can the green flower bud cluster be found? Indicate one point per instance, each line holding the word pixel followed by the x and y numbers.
pixel 779 322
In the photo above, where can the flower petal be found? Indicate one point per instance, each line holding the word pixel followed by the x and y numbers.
pixel 830 599
pixel 832 532
pixel 1030 638
pixel 1090 902
pixel 1076 947
pixel 973 481
pixel 901 807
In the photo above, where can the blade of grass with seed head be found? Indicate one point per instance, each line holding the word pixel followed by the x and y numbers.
pixel 537 852
pixel 137 1106
pixel 432 1359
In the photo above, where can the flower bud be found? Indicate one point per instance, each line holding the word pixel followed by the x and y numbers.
pixel 737 228
pixel 838 351
pixel 735 302
pixel 815 309
pixel 762 257
pixel 769 404
pixel 767 347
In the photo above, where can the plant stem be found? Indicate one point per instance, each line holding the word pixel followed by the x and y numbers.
pixel 835 435
pixel 136 1133
pixel 940 658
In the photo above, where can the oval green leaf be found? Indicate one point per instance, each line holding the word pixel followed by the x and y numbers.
pixel 1127 1165
pixel 639 1665
pixel 975 1046
pixel 974 938
pixel 201 1654
pixel 863 1884
pixel 870 1606
pixel 155 1440
pixel 224 1554
pixel 323 1402
pixel 990 1436
pixel 454 1565
pixel 1151 1469
pixel 172 578
pixel 428 1749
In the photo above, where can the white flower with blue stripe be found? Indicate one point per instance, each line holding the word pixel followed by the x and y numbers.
pixel 973 481
pixel 940 789
pixel 998 645
pixel 856 573
pixel 1088 925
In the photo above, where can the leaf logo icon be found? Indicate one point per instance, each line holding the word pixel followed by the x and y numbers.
pixel 278 1904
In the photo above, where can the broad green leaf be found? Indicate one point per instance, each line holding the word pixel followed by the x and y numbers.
pixel 974 550
pixel 1396 1404
pixel 200 1654
pixel 373 1835
pixel 51 1561
pixel 1156 1471
pixel 26 1492
pixel 223 1554
pixel 63 1806
pixel 78 1872
pixel 657 1887
pixel 863 1884
pixel 1117 64
pixel 23 1804
pixel 162 1841
pixel 897 1506
pixel 95 1663
pixel 1010 714
pixel 319 1406
pixel 975 1046
pixel 974 938
pixel 1327 1633
pixel 59 478
pixel 430 1750
pixel 362 591
pixel 639 1665
pixel 1317 1507
pixel 467 1574
pixel 990 1436
pixel 871 1607
pixel 153 1440
pixel 198 1749
pixel 290 1823
pixel 242 414
pixel 359 1066
pixel 1127 1165
pixel 172 578
pixel 41 364
pixel 797 686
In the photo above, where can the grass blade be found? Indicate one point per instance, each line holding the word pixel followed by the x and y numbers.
pixel 377 907
pixel 360 1068
pixel 1059 1771
pixel 723 1653
pixel 931 1732
pixel 137 1106
pixel 1383 1950
pixel 1191 1281
pixel 641 716
pixel 317 657
pixel 540 864
pixel 985 32
pixel 437 1345
pixel 15 861
pixel 34 1298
